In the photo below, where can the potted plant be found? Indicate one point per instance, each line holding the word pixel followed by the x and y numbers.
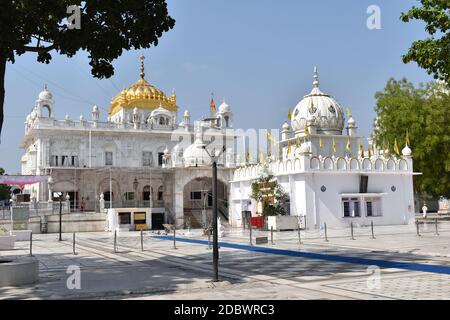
pixel 271 196
pixel 6 239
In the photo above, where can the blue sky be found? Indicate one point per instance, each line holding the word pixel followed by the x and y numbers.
pixel 259 54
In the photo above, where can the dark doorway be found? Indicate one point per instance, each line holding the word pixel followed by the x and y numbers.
pixel 73 199
pixel 107 195
pixel 124 217
pixel 157 221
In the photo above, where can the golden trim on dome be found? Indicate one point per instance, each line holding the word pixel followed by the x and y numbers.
pixel 142 95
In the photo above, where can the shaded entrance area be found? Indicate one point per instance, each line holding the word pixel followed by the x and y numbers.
pixel 197 202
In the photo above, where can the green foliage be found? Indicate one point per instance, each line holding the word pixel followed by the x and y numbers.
pixel 3 231
pixel 424 113
pixel 4 189
pixel 268 187
pixel 107 28
pixel 433 53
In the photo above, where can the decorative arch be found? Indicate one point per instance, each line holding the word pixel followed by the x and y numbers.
pixel 197 201
pixel 289 165
pixel 280 166
pixel 367 164
pixel 297 165
pixel 354 164
pixel 403 165
pixel 49 111
pixel 379 165
pixel 315 163
pixel 390 165
pixel 341 164
pixel 328 163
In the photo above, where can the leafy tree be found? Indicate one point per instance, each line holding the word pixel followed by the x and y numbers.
pixel 106 29
pixel 423 113
pixel 433 53
pixel 4 189
pixel 270 193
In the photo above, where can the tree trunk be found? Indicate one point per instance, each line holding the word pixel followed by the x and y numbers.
pixel 2 91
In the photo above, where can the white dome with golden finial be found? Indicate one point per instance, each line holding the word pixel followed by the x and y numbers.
pixel 321 108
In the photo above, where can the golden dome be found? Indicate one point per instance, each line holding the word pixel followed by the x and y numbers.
pixel 142 95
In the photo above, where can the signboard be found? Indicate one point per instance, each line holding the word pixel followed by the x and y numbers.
pixel 142 226
pixel 262 240
pixel 257 222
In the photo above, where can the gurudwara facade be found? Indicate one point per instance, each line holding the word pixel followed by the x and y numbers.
pixel 143 156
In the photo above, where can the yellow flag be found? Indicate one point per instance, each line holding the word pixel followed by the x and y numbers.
pixel 407 138
pixel 270 137
pixel 347 111
pixel 289 147
pixel 361 147
pixel 334 146
pixel 348 146
pixel 247 155
pixel 289 114
pixel 320 142
pixel 369 153
pixel 306 130
pixel 396 150
pixel 297 142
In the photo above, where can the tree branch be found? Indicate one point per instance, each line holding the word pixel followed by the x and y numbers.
pixel 39 49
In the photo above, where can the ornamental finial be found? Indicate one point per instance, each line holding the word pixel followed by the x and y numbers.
pixel 142 57
pixel 316 78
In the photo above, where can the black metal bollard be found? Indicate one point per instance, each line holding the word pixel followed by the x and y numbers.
pixel 73 244
pixel 271 235
pixel 371 226
pixel 326 234
pixel 250 228
pixel 299 235
pixel 115 241
pixel 417 228
pixel 351 229
pixel 209 238
pixel 174 237
pixel 142 240
pixel 436 227
pixel 31 243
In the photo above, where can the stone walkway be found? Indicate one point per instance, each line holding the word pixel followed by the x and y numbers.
pixel 162 272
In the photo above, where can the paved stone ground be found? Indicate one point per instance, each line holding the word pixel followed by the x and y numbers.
pixel 162 272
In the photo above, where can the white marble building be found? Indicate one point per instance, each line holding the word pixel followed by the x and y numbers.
pixel 320 169
pixel 141 156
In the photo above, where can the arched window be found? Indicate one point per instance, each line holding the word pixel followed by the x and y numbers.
pixel 146 193
pixel 161 193
pixel 49 112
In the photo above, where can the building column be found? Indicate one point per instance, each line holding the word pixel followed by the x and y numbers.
pixel 178 208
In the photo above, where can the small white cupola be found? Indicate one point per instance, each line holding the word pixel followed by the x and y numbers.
pixel 45 104
pixel 351 124
pixel 95 113
pixel 225 116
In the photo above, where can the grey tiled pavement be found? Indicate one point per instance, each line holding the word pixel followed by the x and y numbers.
pixel 161 272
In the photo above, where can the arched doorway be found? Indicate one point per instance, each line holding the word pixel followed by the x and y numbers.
pixel 197 202
pixel 107 196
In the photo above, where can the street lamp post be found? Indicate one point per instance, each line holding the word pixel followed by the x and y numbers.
pixel 214 158
pixel 215 235
pixel 60 216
